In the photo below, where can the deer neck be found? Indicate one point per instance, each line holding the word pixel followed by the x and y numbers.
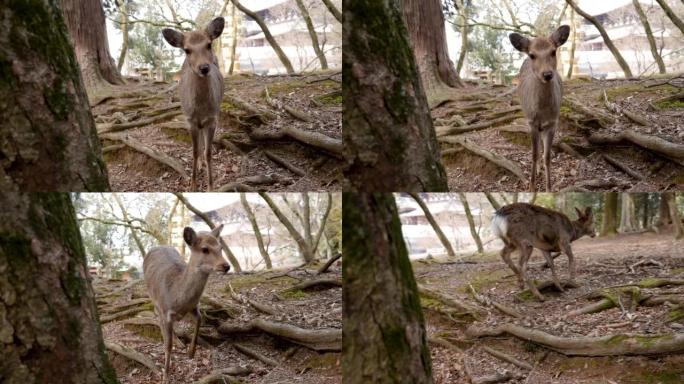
pixel 575 231
pixel 192 281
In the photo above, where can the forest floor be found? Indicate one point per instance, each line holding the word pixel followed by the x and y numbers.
pixel 289 344
pixel 276 133
pixel 601 263
pixel 617 135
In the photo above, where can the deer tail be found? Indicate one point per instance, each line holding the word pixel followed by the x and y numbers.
pixel 499 225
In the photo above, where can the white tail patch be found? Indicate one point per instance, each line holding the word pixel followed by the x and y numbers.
pixel 500 226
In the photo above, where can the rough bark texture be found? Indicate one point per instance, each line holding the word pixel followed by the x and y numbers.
pixel 257 232
pixel 384 331
pixel 649 36
pixel 471 222
pixel 425 24
pixel 438 231
pixel 49 331
pixel 388 134
pixel 312 33
pixel 610 210
pixel 609 43
pixel 48 140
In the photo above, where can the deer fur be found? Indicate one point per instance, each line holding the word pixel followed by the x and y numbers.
pixel 541 90
pixel 523 226
pixel 175 286
pixel 201 91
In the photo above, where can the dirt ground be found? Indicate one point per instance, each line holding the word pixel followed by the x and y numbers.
pixel 601 262
pixel 316 308
pixel 508 136
pixel 250 122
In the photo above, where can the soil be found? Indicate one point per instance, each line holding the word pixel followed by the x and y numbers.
pixel 316 308
pixel 469 172
pixel 601 262
pixel 317 94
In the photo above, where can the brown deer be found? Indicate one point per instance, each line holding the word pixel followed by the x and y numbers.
pixel 201 90
pixel 540 90
pixel 525 226
pixel 175 286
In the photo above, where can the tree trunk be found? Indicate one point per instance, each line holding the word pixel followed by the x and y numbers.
pixel 463 18
pixel 606 39
pixel 47 135
pixel 267 34
pixel 435 225
pixel 389 139
pixel 312 33
pixel 123 12
pixel 333 9
pixel 610 207
pixel 645 211
pixel 257 232
pixel 233 44
pixel 627 216
pixel 671 15
pixel 384 334
pixel 425 25
pixel 674 215
pixel 126 219
pixel 649 36
pixel 573 43
pixel 664 218
pixel 85 20
pixel 48 320
pixel 471 222
pixel 304 248
pixel 492 200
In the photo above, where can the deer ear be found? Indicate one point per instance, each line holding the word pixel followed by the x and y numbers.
pixel 579 213
pixel 560 36
pixel 189 236
pixel 587 212
pixel 215 28
pixel 520 42
pixel 173 37
pixel 216 232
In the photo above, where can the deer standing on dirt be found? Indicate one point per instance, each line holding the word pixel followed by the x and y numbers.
pixel 201 90
pixel 175 286
pixel 525 226
pixel 540 90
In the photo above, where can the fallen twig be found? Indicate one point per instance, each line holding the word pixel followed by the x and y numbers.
pixel 255 355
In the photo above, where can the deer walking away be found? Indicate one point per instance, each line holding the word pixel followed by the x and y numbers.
pixel 541 91
pixel 175 286
pixel 201 91
pixel 523 226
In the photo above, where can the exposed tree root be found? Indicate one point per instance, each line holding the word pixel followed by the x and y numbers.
pixel 235 186
pixel 587 185
pixel 622 167
pixel 118 291
pixel 507 358
pixel 255 355
pixel 494 378
pixel 501 161
pixel 262 113
pixel 569 150
pixel 112 148
pixel 149 151
pixel 611 345
pixel 672 151
pixel 284 163
pixel 118 315
pixel 450 301
pixel 263 308
pixel 489 302
pixel 307 284
pixel 132 354
pixel 604 119
pixel 125 305
pixel 444 343
pixel 444 131
pixel 317 340
pixel 617 110
pixel 225 375
pixel 324 268
pixel 108 128
pixel 599 306
pixel 314 139
pixel 298 114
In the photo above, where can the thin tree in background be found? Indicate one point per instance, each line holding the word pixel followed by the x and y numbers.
pixel 677 228
pixel 463 20
pixel 390 142
pixel 333 9
pixel 312 33
pixel 606 39
pixel 471 222
pixel 628 222
pixel 671 15
pixel 573 43
pixel 495 204
pixel 435 226
pixel 233 43
pixel 49 329
pixel 127 219
pixel 649 36
pixel 384 334
pixel 610 211
pixel 123 23
pixel 257 232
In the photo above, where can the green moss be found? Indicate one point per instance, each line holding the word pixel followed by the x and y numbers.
pixel 525 295
pixel 660 377
pixel 677 271
pixel 227 106
pixel 669 104
pixel 650 282
pixel 322 361
pixel 296 294
pixel 177 135
pixel 247 281
pixel 330 99
pixel 427 302
pixel 675 314
pixel 518 138
pixel 484 280
pixel 565 110
pixel 149 331
pixel 285 87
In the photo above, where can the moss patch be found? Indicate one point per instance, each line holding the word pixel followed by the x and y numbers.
pixel 518 138
pixel 332 99
pixel 485 280
pixel 669 104
pixel 297 294
pixel 148 331
pixel 285 87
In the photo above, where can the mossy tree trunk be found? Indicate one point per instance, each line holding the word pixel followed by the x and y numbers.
pixel 312 33
pixel 649 36
pixel 384 331
pixel 471 222
pixel 257 232
pixel 48 140
pixel 435 226
pixel 49 329
pixel 610 211
pixel 390 143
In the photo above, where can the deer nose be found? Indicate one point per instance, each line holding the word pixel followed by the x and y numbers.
pixel 226 267
pixel 548 75
pixel 204 68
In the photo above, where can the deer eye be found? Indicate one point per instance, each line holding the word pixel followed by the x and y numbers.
pixel 187 51
pixel 209 46
pixel 532 56
pixel 553 53
pixel 205 250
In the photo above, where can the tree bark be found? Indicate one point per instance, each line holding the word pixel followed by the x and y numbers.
pixel 677 229
pixel 425 24
pixel 124 213
pixel 123 12
pixel 471 222
pixel 671 15
pixel 48 320
pixel 85 20
pixel 573 44
pixel 333 9
pixel 390 143
pixel 434 224
pixel 257 232
pixel 269 37
pixel 627 213
pixel 463 17
pixel 492 200
pixel 233 44
pixel 48 140
pixel 384 334
pixel 304 247
pixel 649 36
pixel 664 218
pixel 610 207
pixel 312 33
pixel 606 39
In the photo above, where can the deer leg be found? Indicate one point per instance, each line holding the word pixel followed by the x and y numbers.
pixel 198 321
pixel 167 336
pixel 525 252
pixel 565 246
pixel 194 133
pixel 208 139
pixel 506 256
pixel 548 142
pixel 535 156
pixel 549 261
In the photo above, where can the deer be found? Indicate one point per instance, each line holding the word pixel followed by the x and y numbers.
pixel 540 90
pixel 523 226
pixel 201 91
pixel 175 286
